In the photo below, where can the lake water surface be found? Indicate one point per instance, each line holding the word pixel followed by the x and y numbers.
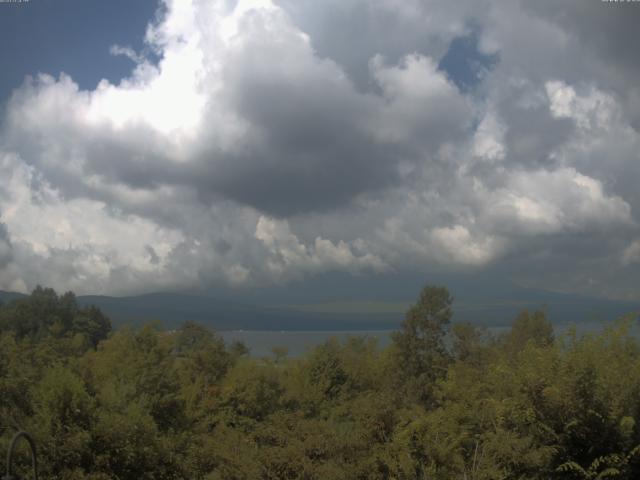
pixel 261 343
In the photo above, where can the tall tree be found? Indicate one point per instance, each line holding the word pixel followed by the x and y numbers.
pixel 421 352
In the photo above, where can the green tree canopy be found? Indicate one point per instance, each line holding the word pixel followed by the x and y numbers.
pixel 422 355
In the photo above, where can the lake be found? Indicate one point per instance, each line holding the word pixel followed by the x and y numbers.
pixel 261 343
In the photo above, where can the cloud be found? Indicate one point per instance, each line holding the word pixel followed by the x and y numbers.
pixel 488 140
pixel 118 50
pixel 287 254
pixel 272 141
pixel 457 245
pixel 553 202
pixel 604 32
pixel 421 104
pixel 631 254
pixel 79 243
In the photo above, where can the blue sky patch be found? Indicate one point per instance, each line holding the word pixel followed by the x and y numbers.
pixel 71 36
pixel 464 63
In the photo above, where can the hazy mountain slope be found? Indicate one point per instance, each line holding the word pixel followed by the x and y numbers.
pixel 337 302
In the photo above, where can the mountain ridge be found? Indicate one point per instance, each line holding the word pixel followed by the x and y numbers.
pixel 171 309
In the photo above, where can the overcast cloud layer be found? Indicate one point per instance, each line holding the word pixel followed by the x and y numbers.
pixel 273 141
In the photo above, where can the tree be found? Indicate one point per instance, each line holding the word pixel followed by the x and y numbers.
pixel 202 362
pixel 44 314
pixel 91 323
pixel 279 353
pixel 64 415
pixel 250 393
pixel 326 369
pixel 421 352
pixel 468 341
pixel 529 327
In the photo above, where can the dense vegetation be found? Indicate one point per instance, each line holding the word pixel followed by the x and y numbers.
pixel 444 401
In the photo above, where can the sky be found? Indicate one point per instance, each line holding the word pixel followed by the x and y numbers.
pixel 201 144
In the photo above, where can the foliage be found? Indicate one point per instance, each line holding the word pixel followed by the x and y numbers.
pixel 422 357
pixel 442 402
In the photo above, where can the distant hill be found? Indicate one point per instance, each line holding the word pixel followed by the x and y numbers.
pixel 317 307
pixel 171 309
pixel 6 297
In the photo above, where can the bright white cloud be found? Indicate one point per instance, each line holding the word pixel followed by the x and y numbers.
pixel 456 244
pixel 419 100
pixel 43 225
pixel 553 202
pixel 594 110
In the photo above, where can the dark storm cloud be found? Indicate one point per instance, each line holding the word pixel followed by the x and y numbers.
pixel 153 256
pixel 222 246
pixel 316 181
pixel 533 133
pixel 310 151
pixel 314 144
pixel 608 31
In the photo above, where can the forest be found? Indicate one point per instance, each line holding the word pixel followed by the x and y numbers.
pixel 444 401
